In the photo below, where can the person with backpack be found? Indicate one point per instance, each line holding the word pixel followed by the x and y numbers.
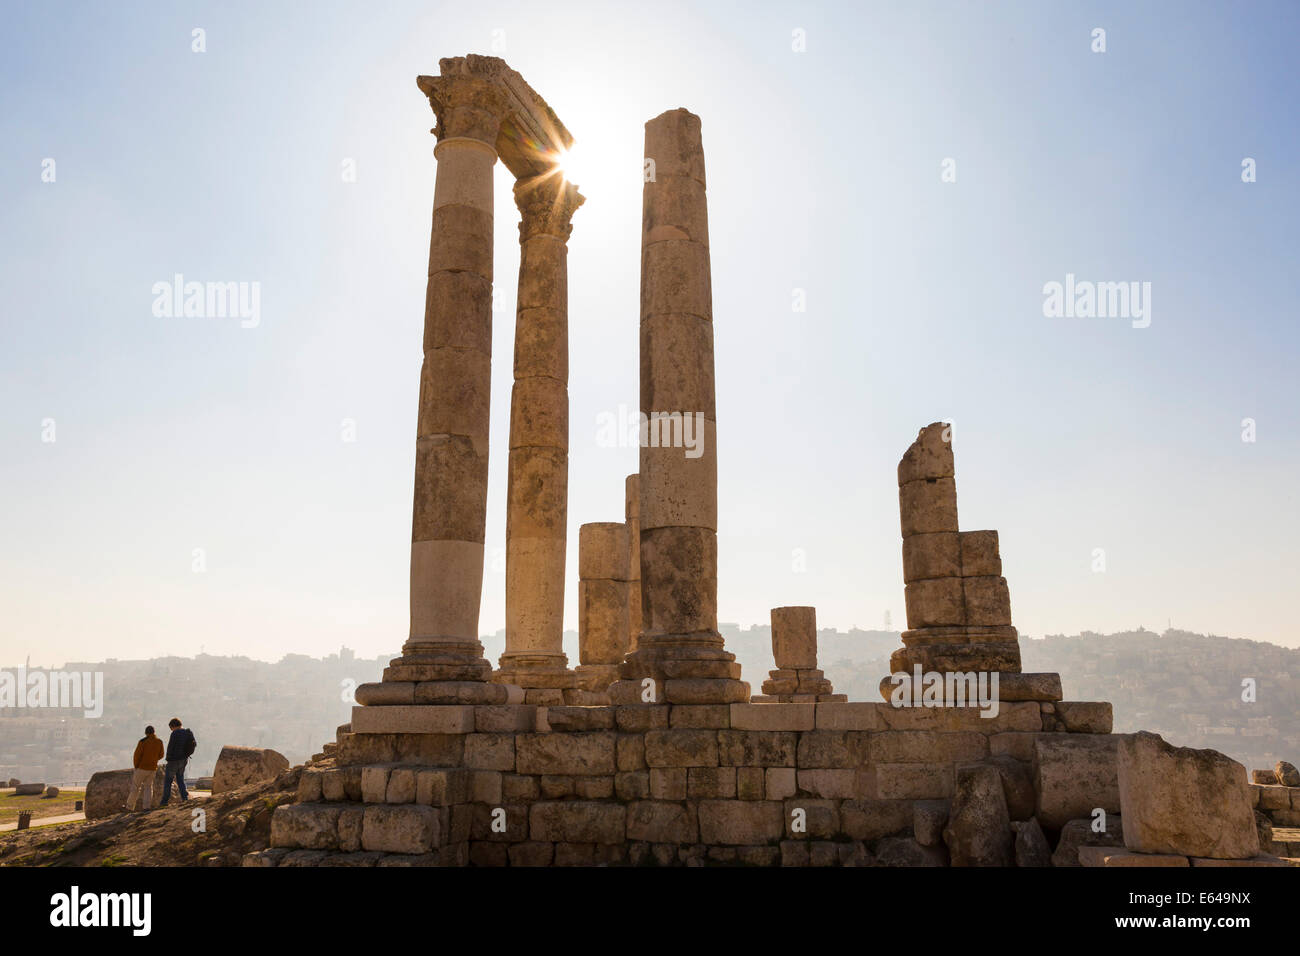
pixel 145 761
pixel 180 745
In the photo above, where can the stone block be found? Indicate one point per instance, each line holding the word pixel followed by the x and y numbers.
pixel 414 719
pixel 632 785
pixel 1073 775
pixel 1085 717
pixel 681 748
pixel 740 822
pixel 773 716
pixel 655 821
pixel 833 784
pixel 833 749
pixel 701 716
pixel 979 827
pixel 401 786
pixel 576 753
pixel 913 781
pixel 490 752
pixel 927 746
pixel 306 826
pixel 929 817
pixel 631 752
pixel 505 718
pixel 1184 801
pixel 374 784
pixel 928 506
pixel 577 821
pixel 987 600
pixel 780 782
pixel 852 715
pixel 980 556
pixel 937 602
pixel 603 551
pixel 240 766
pixel 679 575
pixel 713 783
pixel 668 783
pixel 441 787
pixel 1115 857
pixel 1080 833
pixel 641 719
pixel 749 783
pixel 531 854
pixel 928 556
pixel 794 637
pixel 756 748
pixel 405 828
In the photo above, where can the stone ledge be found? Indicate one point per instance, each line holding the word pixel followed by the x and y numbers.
pixel 414 719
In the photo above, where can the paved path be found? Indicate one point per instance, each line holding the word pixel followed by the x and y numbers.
pixel 42 821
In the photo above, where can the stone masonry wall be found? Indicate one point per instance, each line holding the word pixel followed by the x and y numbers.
pixel 853 783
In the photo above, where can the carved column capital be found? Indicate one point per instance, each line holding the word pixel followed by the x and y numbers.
pixel 546 204
pixel 466 106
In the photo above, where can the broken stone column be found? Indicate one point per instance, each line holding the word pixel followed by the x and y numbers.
pixel 796 678
pixel 537 510
pixel 603 606
pixel 958 604
pixel 679 651
pixel 632 516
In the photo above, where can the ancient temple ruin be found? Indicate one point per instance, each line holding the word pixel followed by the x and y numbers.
pixel 652 751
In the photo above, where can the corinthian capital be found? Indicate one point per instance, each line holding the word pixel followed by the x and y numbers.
pixel 466 105
pixel 547 204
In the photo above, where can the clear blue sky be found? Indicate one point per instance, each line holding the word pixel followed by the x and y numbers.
pixel 924 301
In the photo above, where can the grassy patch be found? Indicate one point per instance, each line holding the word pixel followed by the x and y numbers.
pixel 65 802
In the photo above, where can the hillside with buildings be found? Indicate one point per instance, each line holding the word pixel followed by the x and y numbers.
pixel 1186 687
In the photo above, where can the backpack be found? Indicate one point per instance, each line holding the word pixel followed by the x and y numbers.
pixel 190 745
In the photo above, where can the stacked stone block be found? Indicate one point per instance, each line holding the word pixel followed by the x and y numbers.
pixel 958 604
pixel 796 678
pixel 604 603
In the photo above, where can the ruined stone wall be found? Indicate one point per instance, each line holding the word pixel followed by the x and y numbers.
pixel 751 784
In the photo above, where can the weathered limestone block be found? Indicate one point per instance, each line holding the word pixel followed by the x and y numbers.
pixel 1184 801
pixel 749 783
pixel 712 783
pixel 834 749
pixel 566 753
pixel 681 748
pixel 930 456
pixel 936 555
pixel 1073 775
pixel 415 719
pixel 794 637
pixel 1031 844
pixel 668 783
pixel 936 602
pixel 239 766
pixel 1085 717
pixel 927 746
pixel 1017 784
pixel 779 782
pixel 439 787
pixel 756 748
pixel 928 506
pixel 577 821
pixel 107 792
pixel 740 822
pixel 913 781
pixel 306 826
pixel 980 556
pixel 979 828
pixel 1287 774
pixel 1116 857
pixel 987 601
pixel 929 817
pixel 404 828
pixel 1085 832
pixel 851 715
pixel 654 821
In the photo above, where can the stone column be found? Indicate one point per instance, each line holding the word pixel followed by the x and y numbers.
pixel 443 655
pixel 796 678
pixel 680 648
pixel 603 605
pixel 537 506
pixel 632 515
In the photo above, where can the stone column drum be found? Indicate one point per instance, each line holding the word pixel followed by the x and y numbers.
pixel 537 509
pixel 680 648
pixel 796 678
pixel 603 605
pixel 442 660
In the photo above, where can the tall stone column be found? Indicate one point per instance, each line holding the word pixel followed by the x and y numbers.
pixel 537 504
pixel 603 606
pixel 680 648
pixel 442 660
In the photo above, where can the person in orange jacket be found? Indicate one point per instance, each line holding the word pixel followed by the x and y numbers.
pixel 147 754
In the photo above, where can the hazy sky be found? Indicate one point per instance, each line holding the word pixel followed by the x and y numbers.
pixel 924 300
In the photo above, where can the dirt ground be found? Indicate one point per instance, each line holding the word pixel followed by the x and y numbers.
pixel 213 832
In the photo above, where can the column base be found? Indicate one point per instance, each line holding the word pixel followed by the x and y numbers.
pixel 799 682
pixel 685 669
pixel 545 678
